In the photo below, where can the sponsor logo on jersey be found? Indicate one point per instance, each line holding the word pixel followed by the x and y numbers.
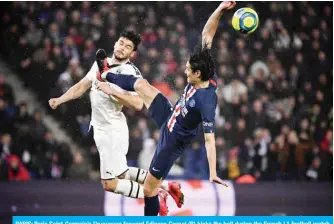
pixel 207 124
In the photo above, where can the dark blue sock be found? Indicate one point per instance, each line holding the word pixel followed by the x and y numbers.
pixel 126 82
pixel 152 206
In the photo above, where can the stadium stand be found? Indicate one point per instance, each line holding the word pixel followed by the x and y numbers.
pixel 275 114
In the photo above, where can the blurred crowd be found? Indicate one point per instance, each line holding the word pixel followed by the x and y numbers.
pixel 28 150
pixel 275 112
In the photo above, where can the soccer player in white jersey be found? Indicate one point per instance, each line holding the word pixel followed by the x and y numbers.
pixel 111 134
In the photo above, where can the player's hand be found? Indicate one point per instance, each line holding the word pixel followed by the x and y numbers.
pixel 227 5
pixel 54 103
pixel 104 87
pixel 217 180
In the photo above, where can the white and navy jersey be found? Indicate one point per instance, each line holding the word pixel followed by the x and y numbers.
pixel 106 110
pixel 195 107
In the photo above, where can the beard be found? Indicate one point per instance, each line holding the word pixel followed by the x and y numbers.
pixel 119 58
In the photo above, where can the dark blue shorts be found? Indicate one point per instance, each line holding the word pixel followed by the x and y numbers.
pixel 169 148
pixel 160 110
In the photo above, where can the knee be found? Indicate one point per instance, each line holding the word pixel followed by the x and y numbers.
pixel 122 176
pixel 109 185
pixel 141 84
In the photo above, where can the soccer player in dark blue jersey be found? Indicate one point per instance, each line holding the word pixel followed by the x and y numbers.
pixel 179 124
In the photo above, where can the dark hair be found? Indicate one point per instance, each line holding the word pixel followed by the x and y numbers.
pixel 201 59
pixel 135 38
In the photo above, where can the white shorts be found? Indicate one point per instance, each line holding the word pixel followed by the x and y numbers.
pixel 112 146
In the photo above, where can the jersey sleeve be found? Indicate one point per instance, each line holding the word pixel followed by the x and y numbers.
pixel 208 113
pixel 91 75
pixel 129 69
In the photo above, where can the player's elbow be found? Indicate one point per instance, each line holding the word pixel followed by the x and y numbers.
pixel 208 142
pixel 207 37
pixel 136 104
pixel 209 138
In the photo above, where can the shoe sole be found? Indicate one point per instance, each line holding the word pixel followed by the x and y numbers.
pixel 180 198
pixel 165 200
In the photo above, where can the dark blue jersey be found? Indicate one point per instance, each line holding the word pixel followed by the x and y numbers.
pixel 180 124
pixel 194 107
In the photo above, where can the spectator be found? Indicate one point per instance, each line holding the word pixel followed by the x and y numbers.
pixel 16 171
pixel 6 117
pixel 257 118
pixel 290 90
pixel 261 148
pixel 54 169
pixel 3 169
pixel 234 89
pixel 6 146
pixel 78 170
pixel 6 92
pixel 70 76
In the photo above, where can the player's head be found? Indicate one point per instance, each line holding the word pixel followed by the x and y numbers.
pixel 200 66
pixel 126 45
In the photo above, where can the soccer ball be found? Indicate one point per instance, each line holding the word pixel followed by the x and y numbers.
pixel 245 20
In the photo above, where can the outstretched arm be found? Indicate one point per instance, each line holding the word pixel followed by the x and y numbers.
pixel 208 107
pixel 74 92
pixel 210 145
pixel 211 25
pixel 77 90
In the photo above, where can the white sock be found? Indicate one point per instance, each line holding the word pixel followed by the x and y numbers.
pixel 139 175
pixel 129 188
pixel 136 174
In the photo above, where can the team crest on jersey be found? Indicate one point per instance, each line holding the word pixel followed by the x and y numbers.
pixel 192 103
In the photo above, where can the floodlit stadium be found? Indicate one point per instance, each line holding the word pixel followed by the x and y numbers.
pixel 69 148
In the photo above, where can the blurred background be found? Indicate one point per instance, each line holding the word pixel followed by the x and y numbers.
pixel 275 89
